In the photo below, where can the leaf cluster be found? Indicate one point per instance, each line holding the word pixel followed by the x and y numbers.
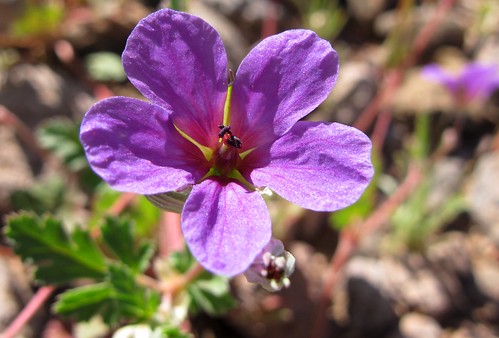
pixel 60 257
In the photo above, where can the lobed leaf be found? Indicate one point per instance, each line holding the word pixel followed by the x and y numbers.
pixel 85 302
pixel 117 298
pixel 211 294
pixel 59 257
pixel 118 234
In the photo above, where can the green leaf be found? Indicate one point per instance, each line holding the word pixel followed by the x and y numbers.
pixel 85 302
pixel 181 261
pixel 144 330
pixel 135 302
pixel 43 197
pixel 170 332
pixel 118 298
pixel 62 138
pixel 211 294
pixel 145 215
pixel 119 235
pixel 105 66
pixel 59 257
pixel 38 19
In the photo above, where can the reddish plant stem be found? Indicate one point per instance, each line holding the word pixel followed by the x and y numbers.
pixel 381 129
pixel 170 233
pixel 350 237
pixel 122 203
pixel 269 24
pixel 28 312
pixel 171 286
pixel 393 78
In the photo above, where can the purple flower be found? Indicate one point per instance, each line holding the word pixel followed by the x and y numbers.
pixel 182 139
pixel 272 267
pixel 474 82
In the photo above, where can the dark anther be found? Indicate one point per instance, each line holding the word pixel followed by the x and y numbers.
pixel 226 134
pixel 224 130
pixel 234 141
pixel 274 272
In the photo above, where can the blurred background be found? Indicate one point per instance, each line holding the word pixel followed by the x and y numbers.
pixel 416 257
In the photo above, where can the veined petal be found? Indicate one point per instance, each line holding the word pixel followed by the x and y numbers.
pixel 319 166
pixel 178 61
pixel 225 226
pixel 134 147
pixel 281 80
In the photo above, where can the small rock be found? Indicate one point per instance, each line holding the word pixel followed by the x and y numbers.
pixel 15 172
pixel 15 292
pixel 354 90
pixel 483 195
pixel 365 11
pixel 49 93
pixel 416 325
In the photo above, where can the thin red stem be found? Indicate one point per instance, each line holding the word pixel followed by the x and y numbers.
pixel 269 24
pixel 349 239
pixel 394 78
pixel 170 234
pixel 28 312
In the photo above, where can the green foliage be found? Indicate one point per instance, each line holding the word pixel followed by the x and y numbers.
pixel 43 197
pixel 62 138
pixel 119 236
pixel 118 298
pixel 59 257
pixel 181 261
pixel 85 302
pixel 115 267
pixel 38 19
pixel 414 221
pixel 325 17
pixel 210 294
pixel 134 301
pixel 170 332
pixel 144 214
pixel 163 331
pixel 105 66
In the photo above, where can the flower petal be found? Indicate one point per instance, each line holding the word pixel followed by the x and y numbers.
pixel 281 80
pixel 436 73
pixel 134 147
pixel 225 226
pixel 178 61
pixel 479 80
pixel 319 166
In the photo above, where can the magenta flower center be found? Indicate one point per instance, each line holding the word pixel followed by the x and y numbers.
pixel 226 157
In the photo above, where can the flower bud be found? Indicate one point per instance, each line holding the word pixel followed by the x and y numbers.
pixel 170 201
pixel 272 267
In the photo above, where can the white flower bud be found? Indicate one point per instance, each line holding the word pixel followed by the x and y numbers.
pixel 272 267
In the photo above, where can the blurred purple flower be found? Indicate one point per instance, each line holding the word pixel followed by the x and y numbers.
pixel 474 82
pixel 182 138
